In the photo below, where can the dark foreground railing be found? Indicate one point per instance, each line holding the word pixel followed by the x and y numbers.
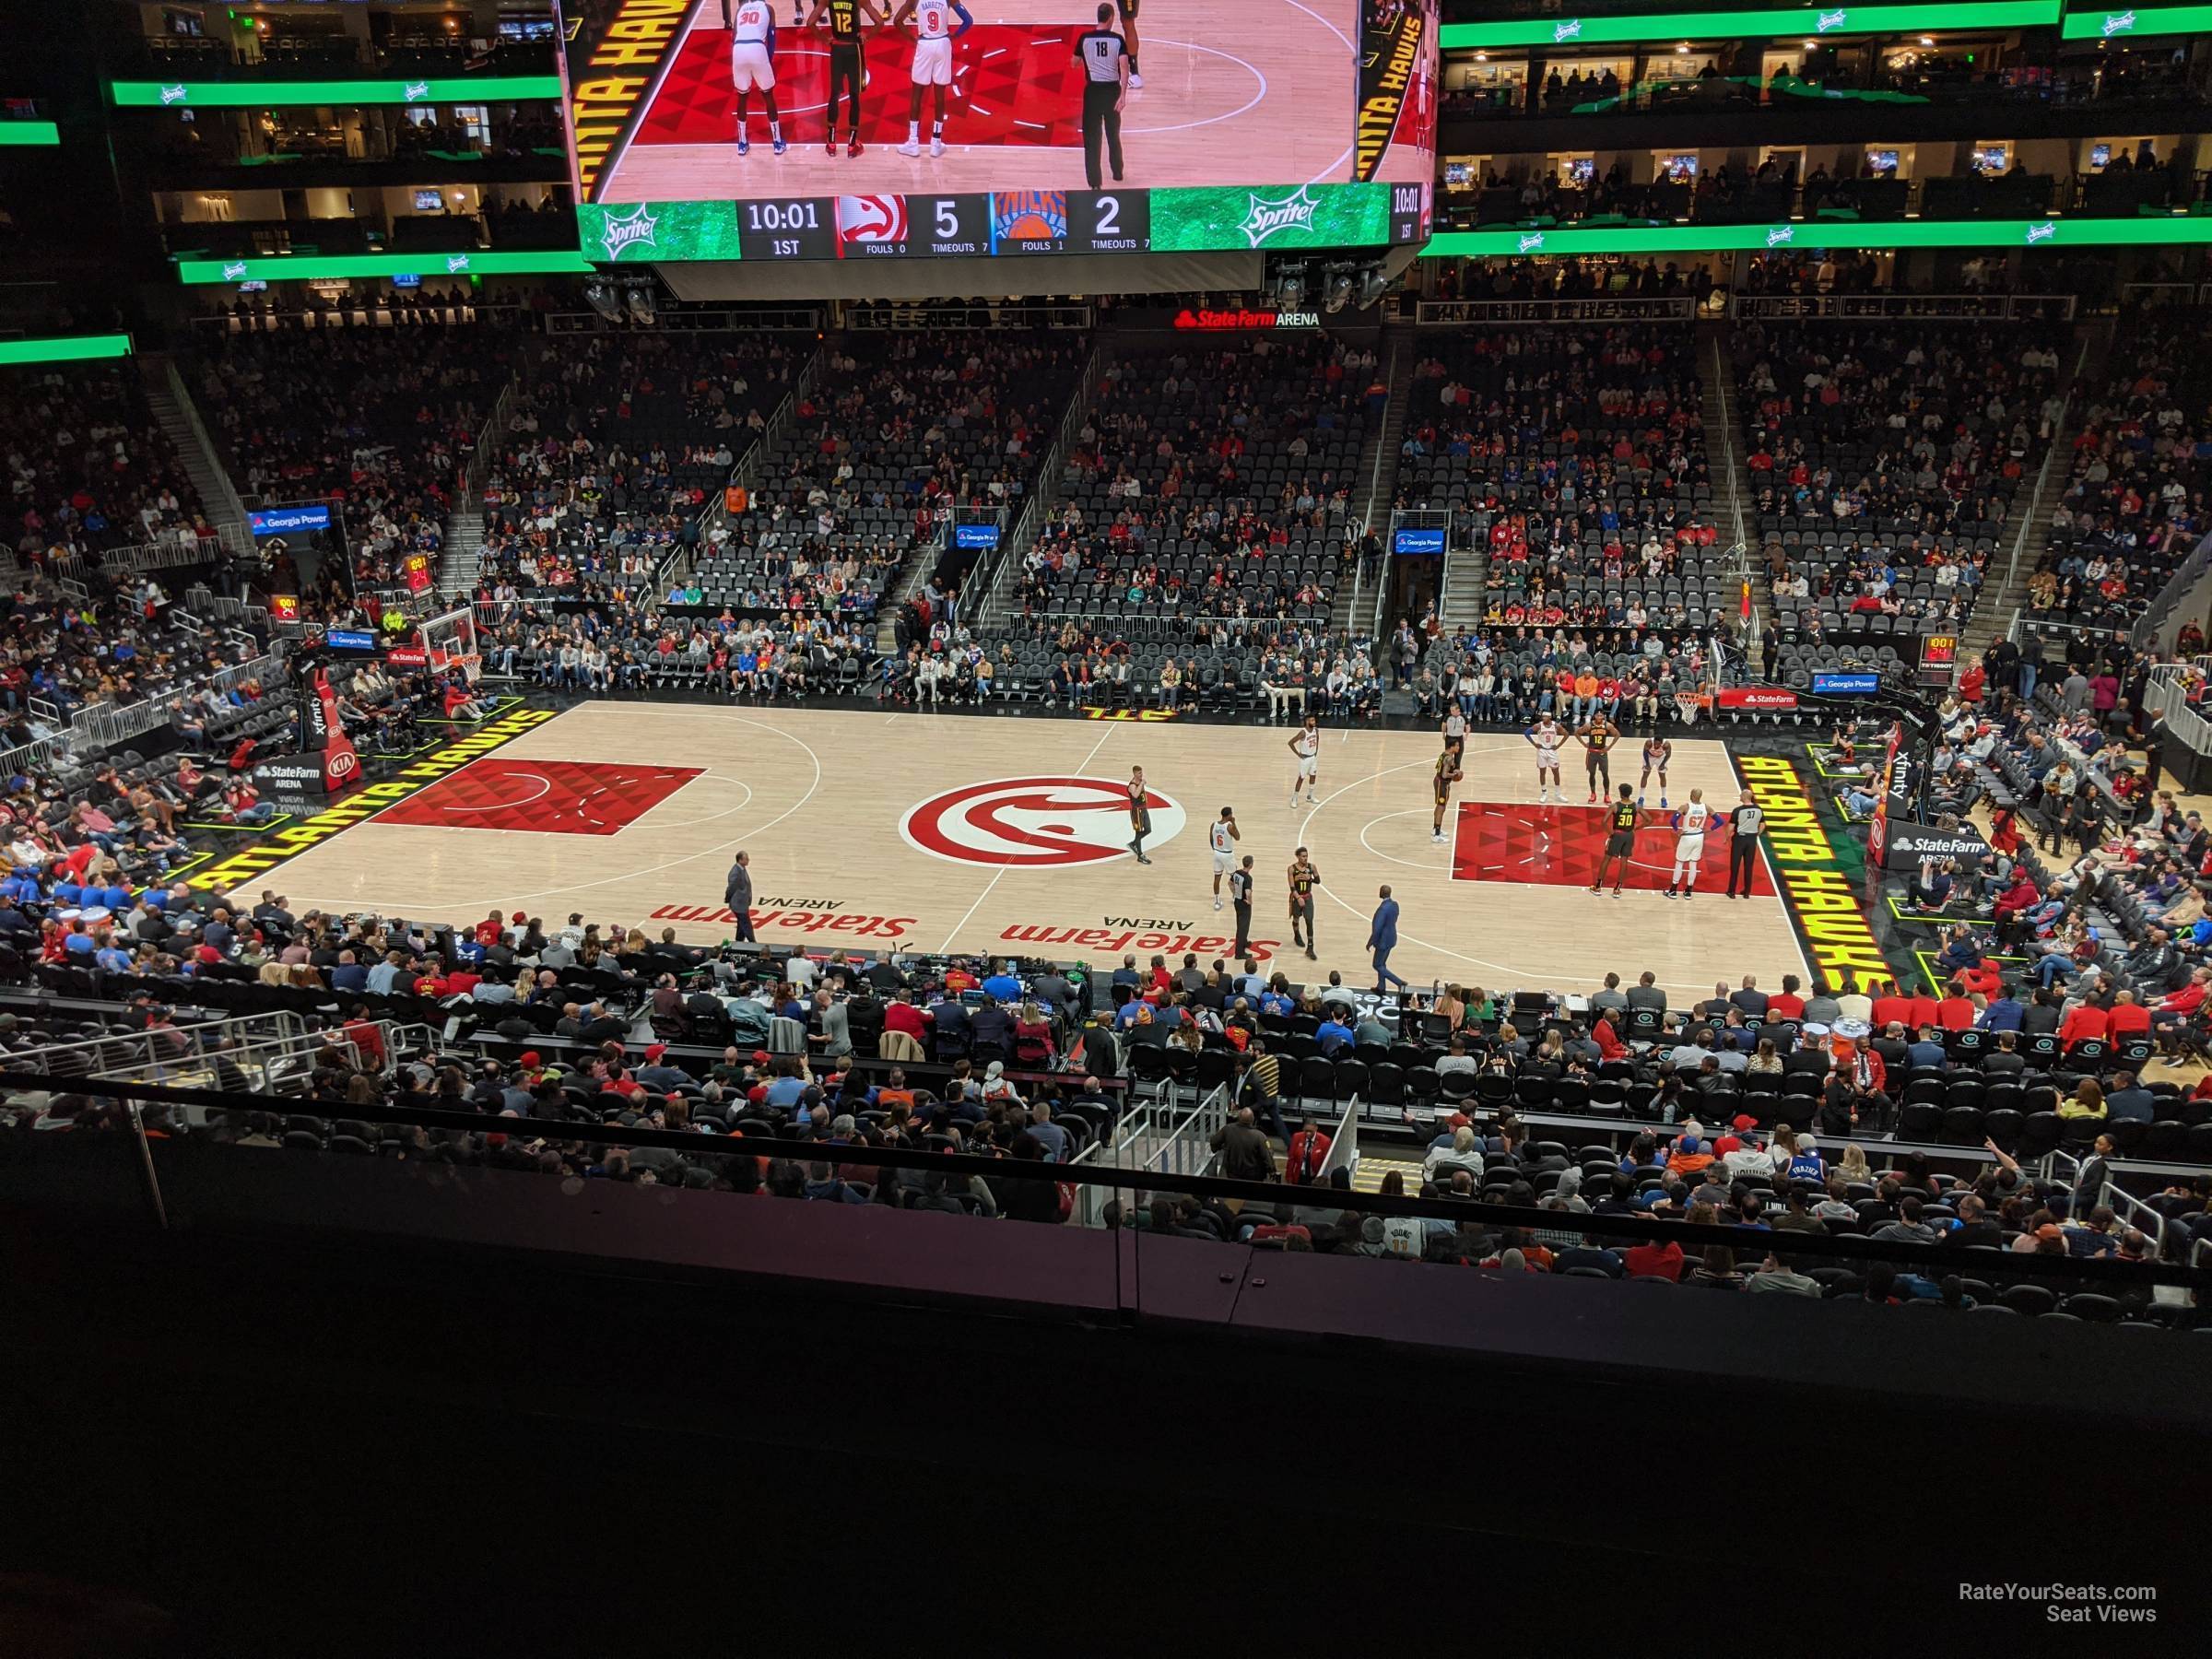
pixel 1936 1261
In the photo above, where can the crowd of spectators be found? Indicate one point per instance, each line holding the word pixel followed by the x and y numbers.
pixel 2133 505
pixel 88 466
pixel 313 415
pixel 1883 465
pixel 1211 485
pixel 1577 459
pixel 1750 1109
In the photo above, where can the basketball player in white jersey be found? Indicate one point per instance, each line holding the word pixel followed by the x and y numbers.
pixel 1658 752
pixel 1690 844
pixel 1545 737
pixel 752 26
pixel 933 36
pixel 1305 743
pixel 1225 835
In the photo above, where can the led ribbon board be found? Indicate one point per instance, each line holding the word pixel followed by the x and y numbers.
pixel 297 267
pixel 1800 22
pixel 278 95
pixel 1568 241
pixel 71 348
pixel 2132 23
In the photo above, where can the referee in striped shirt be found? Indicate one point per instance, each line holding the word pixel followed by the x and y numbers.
pixel 1105 58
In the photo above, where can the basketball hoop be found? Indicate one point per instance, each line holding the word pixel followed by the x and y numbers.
pixel 1686 704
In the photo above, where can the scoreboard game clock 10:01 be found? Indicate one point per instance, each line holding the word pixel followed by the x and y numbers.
pixel 1007 223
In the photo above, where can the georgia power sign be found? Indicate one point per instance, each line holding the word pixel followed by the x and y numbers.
pixel 1039 823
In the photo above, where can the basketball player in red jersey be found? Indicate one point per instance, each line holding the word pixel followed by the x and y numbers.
pixel 933 36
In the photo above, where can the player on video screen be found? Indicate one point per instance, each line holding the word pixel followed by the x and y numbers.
pixel 752 26
pixel 933 63
pixel 848 62
pixel 1128 10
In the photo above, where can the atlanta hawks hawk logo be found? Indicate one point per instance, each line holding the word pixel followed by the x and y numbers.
pixel 1035 823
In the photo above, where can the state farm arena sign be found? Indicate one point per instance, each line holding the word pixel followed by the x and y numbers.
pixel 1035 823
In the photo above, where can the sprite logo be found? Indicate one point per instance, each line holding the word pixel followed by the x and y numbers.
pixel 632 232
pixel 1265 216
pixel 1568 30
pixel 413 91
pixel 1827 20
pixel 234 270
pixel 2118 23
pixel 1779 234
pixel 456 264
pixel 2046 231
pixel 176 94
pixel 1530 245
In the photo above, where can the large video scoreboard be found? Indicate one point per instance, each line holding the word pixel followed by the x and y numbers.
pixel 1249 125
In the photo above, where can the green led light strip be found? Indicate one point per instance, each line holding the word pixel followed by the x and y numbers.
pixel 28 131
pixel 1804 22
pixel 306 268
pixel 69 348
pixel 2127 25
pixel 280 95
pixel 1819 233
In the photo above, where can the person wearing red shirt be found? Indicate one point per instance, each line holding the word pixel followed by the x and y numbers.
pixel 1788 1005
pixel 489 930
pixel 1609 1045
pixel 1894 1009
pixel 1924 1011
pixel 901 1014
pixel 2016 898
pixel 1309 1154
pixel 1971 682
pixel 2128 1018
pixel 2176 1011
pixel 1649 1260
pixel 1954 1013
pixel 2084 1021
pixel 1984 978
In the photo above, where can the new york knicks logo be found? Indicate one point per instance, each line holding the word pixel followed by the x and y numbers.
pixel 1029 215
pixel 1041 823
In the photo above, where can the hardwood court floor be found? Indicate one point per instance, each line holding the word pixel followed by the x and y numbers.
pixel 947 831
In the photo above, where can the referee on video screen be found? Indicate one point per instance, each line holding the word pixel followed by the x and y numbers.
pixel 1105 60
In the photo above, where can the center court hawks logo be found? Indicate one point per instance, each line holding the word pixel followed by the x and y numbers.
pixel 1039 823
pixel 1267 216
pixel 636 231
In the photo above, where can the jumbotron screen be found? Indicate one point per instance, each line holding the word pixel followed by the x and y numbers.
pixel 869 129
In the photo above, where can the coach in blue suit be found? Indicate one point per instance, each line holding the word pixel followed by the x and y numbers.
pixel 1383 938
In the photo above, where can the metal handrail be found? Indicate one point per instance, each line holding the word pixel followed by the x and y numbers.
pixel 236 509
pixel 98 1051
pixel 1017 542
pixel 2042 472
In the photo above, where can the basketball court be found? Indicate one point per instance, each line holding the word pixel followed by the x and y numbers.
pixel 1262 90
pixel 934 832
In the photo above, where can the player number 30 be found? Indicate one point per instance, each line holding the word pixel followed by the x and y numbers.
pixel 786 215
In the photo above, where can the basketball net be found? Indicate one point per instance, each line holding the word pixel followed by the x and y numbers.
pixel 1686 704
